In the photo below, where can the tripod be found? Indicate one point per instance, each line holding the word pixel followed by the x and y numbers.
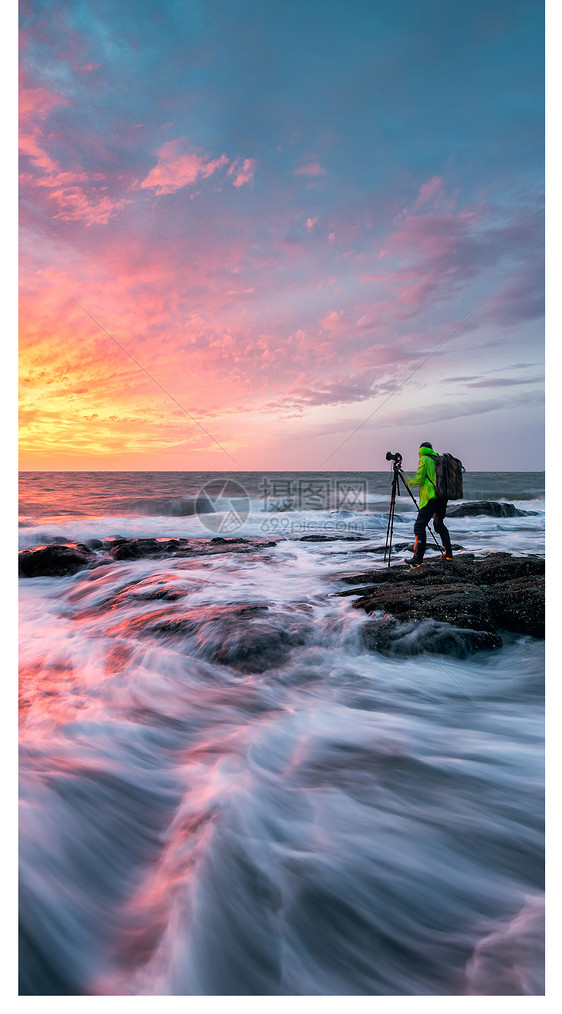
pixel 395 491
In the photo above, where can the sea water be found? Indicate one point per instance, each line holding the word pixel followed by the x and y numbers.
pixel 222 792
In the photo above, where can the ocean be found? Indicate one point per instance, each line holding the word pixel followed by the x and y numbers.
pixel 222 792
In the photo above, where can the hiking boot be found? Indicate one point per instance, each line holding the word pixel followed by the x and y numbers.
pixel 445 556
pixel 417 558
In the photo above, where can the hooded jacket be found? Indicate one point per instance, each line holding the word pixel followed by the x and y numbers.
pixel 425 475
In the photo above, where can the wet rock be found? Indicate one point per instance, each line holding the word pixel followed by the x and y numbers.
pixel 408 547
pixel 488 508
pixel 425 636
pixel 221 541
pixel 518 605
pixel 499 567
pixel 455 602
pixel 137 549
pixel 484 595
pixel 242 636
pixel 59 559
pixel 249 646
pixel 332 538
pixel 54 561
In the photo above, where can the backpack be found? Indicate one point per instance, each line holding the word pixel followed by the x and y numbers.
pixel 448 477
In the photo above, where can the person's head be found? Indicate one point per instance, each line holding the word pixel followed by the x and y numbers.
pixel 427 444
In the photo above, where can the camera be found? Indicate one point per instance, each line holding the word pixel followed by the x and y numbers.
pixel 397 458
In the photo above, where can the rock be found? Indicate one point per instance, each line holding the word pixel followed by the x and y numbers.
pixel 455 602
pixel 242 636
pixel 426 636
pixel 54 561
pixel 408 547
pixel 332 538
pixel 518 605
pixel 498 567
pixel 485 595
pixel 221 541
pixel 137 549
pixel 249 642
pixel 489 508
pixel 59 559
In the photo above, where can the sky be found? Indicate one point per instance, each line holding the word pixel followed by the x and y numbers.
pixel 291 234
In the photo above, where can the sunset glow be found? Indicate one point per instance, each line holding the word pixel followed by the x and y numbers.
pixel 276 214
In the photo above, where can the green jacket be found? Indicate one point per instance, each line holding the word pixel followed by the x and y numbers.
pixel 425 475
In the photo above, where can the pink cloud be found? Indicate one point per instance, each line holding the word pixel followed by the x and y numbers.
pixel 92 209
pixel 35 104
pixel 332 321
pixel 312 169
pixel 428 191
pixel 178 168
pixel 79 196
pixel 335 389
pixel 435 249
pixel 432 250
pixel 244 173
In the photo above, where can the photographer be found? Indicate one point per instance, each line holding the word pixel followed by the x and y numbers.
pixel 430 506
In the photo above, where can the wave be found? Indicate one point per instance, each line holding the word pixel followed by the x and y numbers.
pixel 175 507
pixel 509 959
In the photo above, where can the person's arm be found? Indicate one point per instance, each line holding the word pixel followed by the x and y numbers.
pixel 420 475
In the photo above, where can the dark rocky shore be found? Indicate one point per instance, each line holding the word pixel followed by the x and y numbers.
pixel 57 560
pixel 451 607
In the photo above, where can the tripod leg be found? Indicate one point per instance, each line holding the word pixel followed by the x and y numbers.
pixel 390 526
pixel 388 548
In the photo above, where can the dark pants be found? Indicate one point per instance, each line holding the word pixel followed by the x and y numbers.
pixel 436 509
